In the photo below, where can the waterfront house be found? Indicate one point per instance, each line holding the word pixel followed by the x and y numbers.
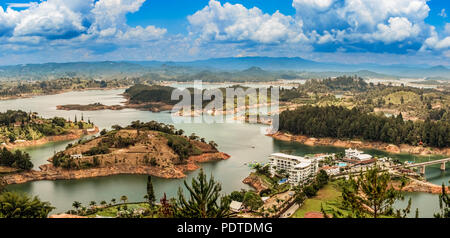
pixel 299 169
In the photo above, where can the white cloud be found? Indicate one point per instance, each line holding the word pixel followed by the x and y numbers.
pixel 235 23
pixel 398 29
pixel 21 5
pixel 358 20
pixel 443 13
pixel 434 42
pixel 55 20
pixel 447 29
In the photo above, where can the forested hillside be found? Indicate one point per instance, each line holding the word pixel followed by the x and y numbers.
pixel 343 123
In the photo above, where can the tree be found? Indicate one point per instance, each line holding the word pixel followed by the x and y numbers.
pixel 310 191
pixel 76 205
pixel 444 204
pixel 370 192
pixel 113 201
pixel 322 178
pixel 18 205
pixel 203 200
pixel 299 197
pixel 252 200
pixel 124 199
pixel 2 184
pixel 213 144
pixel 150 193
pixel 92 204
pixel 237 196
pixel 166 209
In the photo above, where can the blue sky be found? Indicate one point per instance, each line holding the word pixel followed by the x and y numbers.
pixel 350 31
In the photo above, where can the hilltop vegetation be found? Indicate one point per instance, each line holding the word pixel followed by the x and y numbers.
pixel 354 92
pixel 141 93
pixel 17 159
pixel 30 88
pixel 149 144
pixel 19 125
pixel 343 123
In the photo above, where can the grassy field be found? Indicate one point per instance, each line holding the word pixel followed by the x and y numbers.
pixel 112 211
pixel 328 196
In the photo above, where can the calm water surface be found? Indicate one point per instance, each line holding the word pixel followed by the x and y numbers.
pixel 244 142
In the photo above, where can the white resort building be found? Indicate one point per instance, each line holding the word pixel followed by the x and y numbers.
pixel 357 155
pixel 299 169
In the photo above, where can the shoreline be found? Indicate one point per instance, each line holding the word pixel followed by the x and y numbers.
pixel 48 172
pixel 31 95
pixel 73 135
pixel 417 186
pixel 390 148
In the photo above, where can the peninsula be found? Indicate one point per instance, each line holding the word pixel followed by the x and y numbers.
pixel 21 129
pixel 150 148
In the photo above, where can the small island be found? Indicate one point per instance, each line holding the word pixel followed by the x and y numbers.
pixel 90 107
pixel 150 148
pixel 153 98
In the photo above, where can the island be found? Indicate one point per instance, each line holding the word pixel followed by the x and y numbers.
pixel 149 148
pixel 89 107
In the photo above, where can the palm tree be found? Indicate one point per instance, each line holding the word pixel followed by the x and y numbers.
pixel 92 204
pixel 124 199
pixel 76 205
pixel 20 205
pixel 103 203
pixel 113 201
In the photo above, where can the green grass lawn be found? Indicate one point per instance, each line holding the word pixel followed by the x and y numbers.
pixel 112 211
pixel 328 196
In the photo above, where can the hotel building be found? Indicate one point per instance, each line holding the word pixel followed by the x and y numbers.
pixel 299 169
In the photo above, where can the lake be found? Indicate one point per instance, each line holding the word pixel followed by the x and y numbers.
pixel 244 142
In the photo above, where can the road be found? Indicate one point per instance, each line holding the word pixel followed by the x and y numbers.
pixel 288 213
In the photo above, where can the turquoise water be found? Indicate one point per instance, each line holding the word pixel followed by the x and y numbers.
pixel 244 142
pixel 341 164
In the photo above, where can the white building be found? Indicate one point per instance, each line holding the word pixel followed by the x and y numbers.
pixel 331 170
pixel 235 206
pixel 299 169
pixel 357 155
pixel 76 156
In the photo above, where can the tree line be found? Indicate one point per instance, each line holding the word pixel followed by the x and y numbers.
pixel 17 159
pixel 343 123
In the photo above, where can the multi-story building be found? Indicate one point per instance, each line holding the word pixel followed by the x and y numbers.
pixel 357 155
pixel 299 169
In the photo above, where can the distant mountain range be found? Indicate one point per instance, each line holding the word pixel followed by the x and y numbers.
pixel 253 66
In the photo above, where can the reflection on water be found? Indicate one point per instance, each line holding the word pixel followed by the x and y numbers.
pixel 243 142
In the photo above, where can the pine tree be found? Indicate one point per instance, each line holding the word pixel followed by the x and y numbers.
pixel 203 200
pixel 444 204
pixel 150 193
pixel 371 190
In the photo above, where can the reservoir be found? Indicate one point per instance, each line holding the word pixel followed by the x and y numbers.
pixel 244 142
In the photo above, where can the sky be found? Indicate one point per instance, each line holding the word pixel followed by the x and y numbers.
pixel 344 31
